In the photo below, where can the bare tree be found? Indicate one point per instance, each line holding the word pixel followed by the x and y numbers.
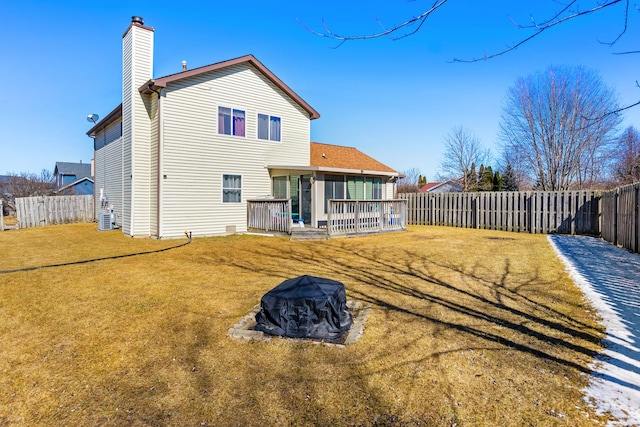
pixel 546 120
pixel 462 151
pixel 408 183
pixel 563 13
pixel 626 163
pixel 567 11
pixel 26 185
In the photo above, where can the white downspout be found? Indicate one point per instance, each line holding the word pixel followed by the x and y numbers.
pixel 161 176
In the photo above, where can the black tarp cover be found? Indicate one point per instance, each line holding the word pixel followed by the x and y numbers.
pixel 305 307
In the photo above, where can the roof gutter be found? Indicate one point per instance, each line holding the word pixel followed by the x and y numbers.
pixel 108 119
pixel 162 82
pixel 336 170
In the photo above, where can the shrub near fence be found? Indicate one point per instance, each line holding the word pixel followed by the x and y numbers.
pixel 50 210
pixel 567 212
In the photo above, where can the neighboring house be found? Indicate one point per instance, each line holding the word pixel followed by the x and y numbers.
pixel 73 178
pixel 81 187
pixel 66 173
pixel 449 186
pixel 186 151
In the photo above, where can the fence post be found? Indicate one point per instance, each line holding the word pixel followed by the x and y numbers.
pixel 615 217
pixel 476 210
pixel 1 215
pixel 636 218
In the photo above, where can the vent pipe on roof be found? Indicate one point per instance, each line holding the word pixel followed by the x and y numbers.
pixel 184 65
pixel 137 20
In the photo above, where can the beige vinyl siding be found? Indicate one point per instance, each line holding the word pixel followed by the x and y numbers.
pixel 388 190
pixel 138 44
pixel 108 163
pixel 127 100
pixel 113 132
pixel 153 165
pixel 317 199
pixel 195 156
pixel 142 168
pixel 109 134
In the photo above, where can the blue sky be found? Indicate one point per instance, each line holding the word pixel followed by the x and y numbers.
pixel 394 100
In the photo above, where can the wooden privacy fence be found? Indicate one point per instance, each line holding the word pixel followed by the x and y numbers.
pixel 566 212
pixel 621 216
pixel 50 210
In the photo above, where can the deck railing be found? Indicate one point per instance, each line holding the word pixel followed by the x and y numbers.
pixel 346 217
pixel 272 215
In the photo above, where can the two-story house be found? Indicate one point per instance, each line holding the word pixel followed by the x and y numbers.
pixel 186 151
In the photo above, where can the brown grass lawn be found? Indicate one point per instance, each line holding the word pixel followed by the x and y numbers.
pixel 467 328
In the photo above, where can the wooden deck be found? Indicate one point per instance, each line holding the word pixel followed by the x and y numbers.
pixel 345 218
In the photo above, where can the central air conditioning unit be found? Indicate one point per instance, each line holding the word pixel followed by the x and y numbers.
pixel 104 221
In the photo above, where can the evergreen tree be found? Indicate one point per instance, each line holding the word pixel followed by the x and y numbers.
pixel 470 179
pixel 485 181
pixel 497 181
pixel 509 181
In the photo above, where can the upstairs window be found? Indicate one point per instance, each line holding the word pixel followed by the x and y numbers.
pixel 231 121
pixel 231 188
pixel 268 127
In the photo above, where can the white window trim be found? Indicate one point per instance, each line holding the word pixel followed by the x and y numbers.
pixel 268 127
pixel 218 121
pixel 222 188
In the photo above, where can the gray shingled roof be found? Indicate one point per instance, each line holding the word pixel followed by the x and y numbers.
pixel 79 170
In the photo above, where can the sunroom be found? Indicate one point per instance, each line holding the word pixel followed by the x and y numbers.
pixel 343 189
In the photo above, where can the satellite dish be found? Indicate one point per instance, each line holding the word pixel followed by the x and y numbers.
pixel 93 118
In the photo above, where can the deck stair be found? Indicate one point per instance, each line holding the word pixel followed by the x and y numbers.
pixel 307 233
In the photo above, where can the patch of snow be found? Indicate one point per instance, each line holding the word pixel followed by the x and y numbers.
pixel 610 278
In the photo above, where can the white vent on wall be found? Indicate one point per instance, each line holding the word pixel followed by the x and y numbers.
pixel 104 221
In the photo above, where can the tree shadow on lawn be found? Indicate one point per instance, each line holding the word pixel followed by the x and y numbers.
pixel 500 314
pixel 373 272
pixel 610 275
